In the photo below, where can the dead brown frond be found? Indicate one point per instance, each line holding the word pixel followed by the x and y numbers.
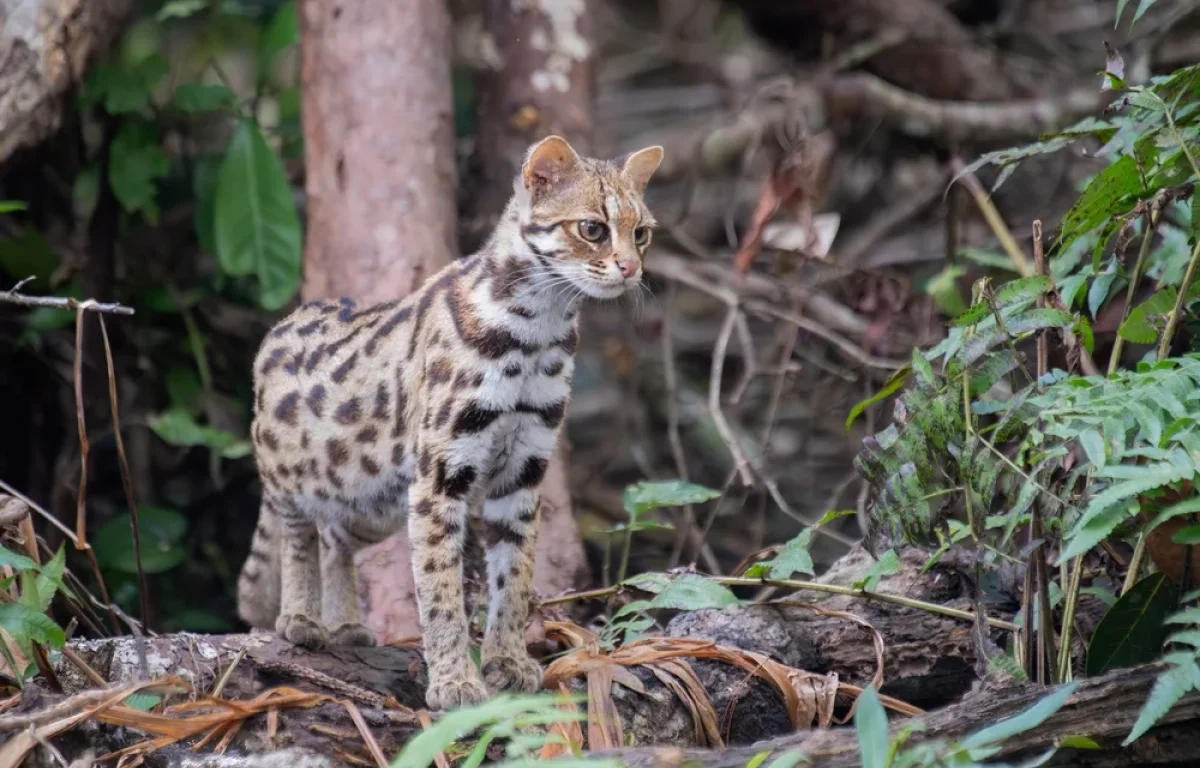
pixel 34 729
pixel 808 697
pixel 211 717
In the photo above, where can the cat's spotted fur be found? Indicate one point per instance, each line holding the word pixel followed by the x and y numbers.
pixel 442 409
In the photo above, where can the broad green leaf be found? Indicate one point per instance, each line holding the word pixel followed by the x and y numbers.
pixel 136 162
pixel 178 427
pixel 1134 629
pixel 257 228
pixel 944 291
pixel 1023 722
pixel 199 97
pixel 25 624
pixel 693 592
pixel 1110 192
pixel 871 725
pixel 12 206
pixel 162 533
pixel 794 557
pixel 647 495
pixel 893 384
pixel 1137 327
pixel 16 561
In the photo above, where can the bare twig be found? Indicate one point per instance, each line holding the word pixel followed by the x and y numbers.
pixel 14 296
pixel 127 479
pixel 1114 358
pixel 714 397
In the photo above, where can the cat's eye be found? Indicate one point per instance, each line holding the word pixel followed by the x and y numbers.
pixel 641 236
pixel 591 230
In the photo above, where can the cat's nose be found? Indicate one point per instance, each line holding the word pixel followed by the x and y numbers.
pixel 628 267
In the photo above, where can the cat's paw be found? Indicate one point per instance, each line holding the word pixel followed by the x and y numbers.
pixel 452 692
pixel 353 634
pixel 300 630
pixel 519 672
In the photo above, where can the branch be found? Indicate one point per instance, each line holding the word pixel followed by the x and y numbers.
pixel 862 94
pixel 1103 708
pixel 14 296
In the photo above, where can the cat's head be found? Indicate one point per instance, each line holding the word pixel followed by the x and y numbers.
pixel 584 219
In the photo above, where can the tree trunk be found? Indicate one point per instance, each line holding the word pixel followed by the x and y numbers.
pixel 45 46
pixel 380 186
pixel 539 83
pixel 380 179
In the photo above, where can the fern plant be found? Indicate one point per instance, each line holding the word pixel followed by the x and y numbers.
pixel 984 443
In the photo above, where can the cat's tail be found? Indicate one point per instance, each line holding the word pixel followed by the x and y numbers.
pixel 259 585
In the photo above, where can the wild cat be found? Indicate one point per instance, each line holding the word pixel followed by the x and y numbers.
pixel 441 411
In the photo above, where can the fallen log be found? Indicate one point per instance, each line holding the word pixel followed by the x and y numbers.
pixel 1102 708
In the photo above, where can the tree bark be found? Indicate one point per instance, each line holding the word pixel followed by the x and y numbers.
pixel 45 47
pixel 539 83
pixel 380 188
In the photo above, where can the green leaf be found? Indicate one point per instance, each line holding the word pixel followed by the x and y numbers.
pixel 1093 446
pixel 789 759
pixel 1134 629
pixel 1020 723
pixel 136 162
pixel 1188 536
pixel 1110 192
pixel 282 33
pixel 647 495
pixel 1141 9
pixel 198 97
pixel 758 759
pixel 257 228
pixel 143 702
pixel 25 624
pixel 648 582
pixel 12 206
pixel 693 592
pixel 423 749
pixel 973 315
pixel 1077 742
pixel 887 565
pixel 1168 689
pixel 178 427
pixel 893 384
pixel 794 558
pixel 162 532
pixel 1023 289
pixel 871 725
pixel 1137 327
pixel 15 561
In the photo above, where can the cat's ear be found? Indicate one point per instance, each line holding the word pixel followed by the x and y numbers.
pixel 547 163
pixel 638 167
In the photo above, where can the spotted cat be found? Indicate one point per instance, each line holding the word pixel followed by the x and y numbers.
pixel 441 410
